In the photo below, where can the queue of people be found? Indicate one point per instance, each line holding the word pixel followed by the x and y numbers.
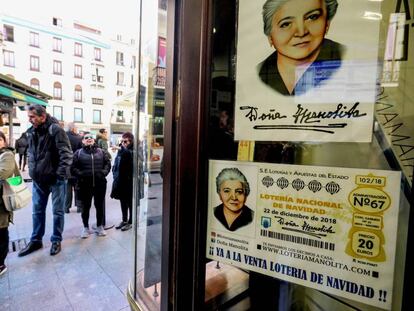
pixel 59 163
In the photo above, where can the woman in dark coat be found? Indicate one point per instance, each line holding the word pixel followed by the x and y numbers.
pixel 21 146
pixel 7 166
pixel 122 187
pixel 90 167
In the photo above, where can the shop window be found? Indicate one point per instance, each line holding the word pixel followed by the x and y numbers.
pixel 8 58
pixel 34 63
pixel 57 44
pixel 34 39
pixel 57 90
pixel 78 115
pixel 8 32
pixel 57 67
pixel 78 93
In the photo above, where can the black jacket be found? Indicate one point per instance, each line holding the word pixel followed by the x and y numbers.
pixel 245 218
pixel 122 172
pixel 91 165
pixel 75 140
pixel 50 154
pixel 21 144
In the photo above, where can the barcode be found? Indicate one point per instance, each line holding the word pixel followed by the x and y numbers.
pixel 297 239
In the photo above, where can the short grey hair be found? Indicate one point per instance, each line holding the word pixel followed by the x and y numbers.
pixel 38 110
pixel 232 174
pixel 271 6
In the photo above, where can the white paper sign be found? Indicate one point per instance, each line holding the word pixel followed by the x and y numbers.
pixel 313 77
pixel 332 229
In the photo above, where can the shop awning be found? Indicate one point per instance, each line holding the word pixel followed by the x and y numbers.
pixel 5 91
pixel 12 90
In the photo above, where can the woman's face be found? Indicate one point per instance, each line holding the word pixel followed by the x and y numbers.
pixel 2 143
pixel 299 28
pixel 232 195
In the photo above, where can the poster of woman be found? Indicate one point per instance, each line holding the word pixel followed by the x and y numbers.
pixel 306 69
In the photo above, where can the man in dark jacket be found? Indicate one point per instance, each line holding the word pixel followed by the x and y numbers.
pixel 21 148
pixel 76 143
pixel 50 158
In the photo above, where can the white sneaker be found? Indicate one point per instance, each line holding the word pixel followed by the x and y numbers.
pixel 85 233
pixel 100 231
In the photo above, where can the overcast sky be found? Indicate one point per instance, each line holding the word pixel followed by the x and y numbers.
pixel 110 16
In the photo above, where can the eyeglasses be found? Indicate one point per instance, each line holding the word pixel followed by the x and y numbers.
pixel 125 141
pixel 88 137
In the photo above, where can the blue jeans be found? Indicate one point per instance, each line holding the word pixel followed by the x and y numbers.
pixel 40 198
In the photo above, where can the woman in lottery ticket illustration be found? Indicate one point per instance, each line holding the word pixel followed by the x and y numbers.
pixel 304 58
pixel 233 189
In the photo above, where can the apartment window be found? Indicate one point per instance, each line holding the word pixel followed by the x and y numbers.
pixel 8 58
pixel 132 41
pixel 97 101
pixel 57 44
pixel 78 49
pixel 78 71
pixel 57 90
pixel 8 32
pixel 78 115
pixel 97 53
pixel 120 58
pixel 119 93
pixel 57 21
pixel 120 78
pixel 118 37
pixel 120 116
pixel 97 116
pixel 133 62
pixel 34 39
pixel 34 63
pixel 132 80
pixel 34 83
pixel 78 93
pixel 57 67
pixel 58 112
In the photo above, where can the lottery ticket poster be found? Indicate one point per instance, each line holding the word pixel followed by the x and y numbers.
pixel 332 229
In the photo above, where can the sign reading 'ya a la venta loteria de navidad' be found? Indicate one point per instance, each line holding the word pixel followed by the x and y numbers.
pixel 328 228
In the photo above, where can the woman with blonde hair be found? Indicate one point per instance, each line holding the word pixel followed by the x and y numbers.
pixel 7 167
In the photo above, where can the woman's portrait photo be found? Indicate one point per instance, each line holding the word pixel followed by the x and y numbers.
pixel 303 57
pixel 233 190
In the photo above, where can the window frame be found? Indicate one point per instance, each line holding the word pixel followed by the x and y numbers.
pixel 74 115
pixel 34 39
pixel 100 116
pixel 57 90
pixel 78 94
pixel 8 58
pixel 33 85
pixel 8 32
pixel 57 67
pixel 57 44
pixel 78 49
pixel 61 113
pixel 120 58
pixel 97 53
pixel 34 63
pixel 77 71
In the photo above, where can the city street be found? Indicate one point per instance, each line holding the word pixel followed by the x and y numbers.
pixel 89 274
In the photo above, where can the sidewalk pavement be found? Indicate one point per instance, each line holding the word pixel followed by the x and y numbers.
pixel 88 274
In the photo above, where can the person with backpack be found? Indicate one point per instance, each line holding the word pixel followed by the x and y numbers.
pixel 21 146
pixel 90 167
pixel 50 158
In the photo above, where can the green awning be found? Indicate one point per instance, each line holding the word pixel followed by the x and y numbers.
pixel 20 96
